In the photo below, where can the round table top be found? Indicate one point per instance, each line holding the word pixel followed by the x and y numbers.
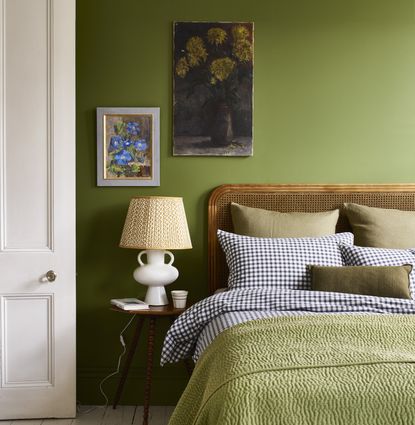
pixel 163 310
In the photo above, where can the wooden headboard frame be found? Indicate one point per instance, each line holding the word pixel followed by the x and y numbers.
pixel 286 198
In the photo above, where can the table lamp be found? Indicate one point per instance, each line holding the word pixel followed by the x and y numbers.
pixel 156 224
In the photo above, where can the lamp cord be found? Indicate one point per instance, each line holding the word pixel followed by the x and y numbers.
pixel 124 350
pixel 101 389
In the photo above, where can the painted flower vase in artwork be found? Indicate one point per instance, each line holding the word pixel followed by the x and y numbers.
pixel 221 130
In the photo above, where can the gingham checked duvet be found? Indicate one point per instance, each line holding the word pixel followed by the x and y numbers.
pixel 181 339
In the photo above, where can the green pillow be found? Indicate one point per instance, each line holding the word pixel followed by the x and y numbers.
pixel 382 281
pixel 271 224
pixel 381 228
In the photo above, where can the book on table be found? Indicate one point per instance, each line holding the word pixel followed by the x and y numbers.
pixel 130 304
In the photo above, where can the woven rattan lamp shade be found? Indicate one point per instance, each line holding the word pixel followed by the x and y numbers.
pixel 156 222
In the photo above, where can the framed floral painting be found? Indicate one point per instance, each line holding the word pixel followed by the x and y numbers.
pixel 213 88
pixel 128 146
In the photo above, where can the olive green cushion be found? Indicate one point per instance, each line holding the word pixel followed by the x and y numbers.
pixel 381 281
pixel 271 224
pixel 381 228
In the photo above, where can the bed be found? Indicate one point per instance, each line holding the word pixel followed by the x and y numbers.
pixel 284 356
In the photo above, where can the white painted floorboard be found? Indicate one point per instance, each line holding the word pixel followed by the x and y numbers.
pixel 100 415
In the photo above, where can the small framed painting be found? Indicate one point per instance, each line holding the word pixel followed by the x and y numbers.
pixel 128 146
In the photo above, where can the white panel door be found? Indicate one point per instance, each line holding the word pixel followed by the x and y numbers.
pixel 37 208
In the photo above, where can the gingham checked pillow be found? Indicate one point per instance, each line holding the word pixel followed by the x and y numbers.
pixel 278 262
pixel 368 256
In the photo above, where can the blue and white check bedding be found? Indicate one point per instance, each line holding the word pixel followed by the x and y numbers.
pixel 186 339
pixel 282 262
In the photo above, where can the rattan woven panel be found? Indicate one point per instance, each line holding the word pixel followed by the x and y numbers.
pixel 398 197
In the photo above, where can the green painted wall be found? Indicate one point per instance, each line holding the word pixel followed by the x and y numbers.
pixel 334 103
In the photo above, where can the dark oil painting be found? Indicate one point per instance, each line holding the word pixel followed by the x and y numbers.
pixel 213 88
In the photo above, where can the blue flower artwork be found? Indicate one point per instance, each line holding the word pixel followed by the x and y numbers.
pixel 133 128
pixel 123 157
pixel 128 152
pixel 115 143
pixel 140 145
pixel 126 143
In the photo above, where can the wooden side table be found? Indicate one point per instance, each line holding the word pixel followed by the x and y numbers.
pixel 152 315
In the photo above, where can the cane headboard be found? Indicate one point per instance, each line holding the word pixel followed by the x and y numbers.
pixel 287 198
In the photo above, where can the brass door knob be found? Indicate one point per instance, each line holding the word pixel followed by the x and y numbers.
pixel 51 276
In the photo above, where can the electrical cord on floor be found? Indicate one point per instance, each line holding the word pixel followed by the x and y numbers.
pixel 85 412
pixel 101 389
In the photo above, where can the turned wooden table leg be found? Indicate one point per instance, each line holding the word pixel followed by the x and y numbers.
pixel 149 368
pixel 128 360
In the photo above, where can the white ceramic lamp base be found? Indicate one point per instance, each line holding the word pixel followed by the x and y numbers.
pixel 156 295
pixel 156 274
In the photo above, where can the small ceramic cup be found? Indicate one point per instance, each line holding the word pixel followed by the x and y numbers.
pixel 179 298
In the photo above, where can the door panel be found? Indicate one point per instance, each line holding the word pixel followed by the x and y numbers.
pixel 27 85
pixel 27 357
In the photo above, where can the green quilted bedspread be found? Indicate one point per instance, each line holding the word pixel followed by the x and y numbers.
pixel 323 369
